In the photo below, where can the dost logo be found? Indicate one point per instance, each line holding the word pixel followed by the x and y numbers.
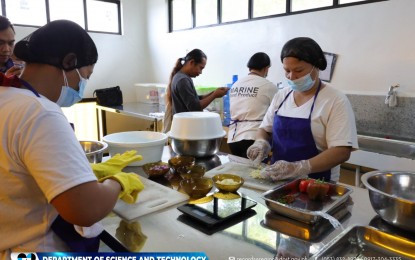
pixel 24 256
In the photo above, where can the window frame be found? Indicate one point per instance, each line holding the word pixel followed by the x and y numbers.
pixel 288 12
pixel 47 6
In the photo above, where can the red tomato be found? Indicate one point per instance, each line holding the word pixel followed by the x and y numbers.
pixel 318 190
pixel 304 184
pixel 324 190
pixel 332 189
pixel 313 190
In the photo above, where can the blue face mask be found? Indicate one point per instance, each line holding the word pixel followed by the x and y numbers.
pixel 302 84
pixel 70 96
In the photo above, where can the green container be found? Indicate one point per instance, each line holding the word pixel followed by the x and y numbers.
pixel 216 105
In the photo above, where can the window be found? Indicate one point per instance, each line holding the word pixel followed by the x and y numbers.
pixel 182 14
pixel 103 16
pixel 93 15
pixel 349 1
pixel 189 14
pixel 234 10
pixel 206 12
pixel 299 5
pixel 26 12
pixel 268 7
pixel 67 9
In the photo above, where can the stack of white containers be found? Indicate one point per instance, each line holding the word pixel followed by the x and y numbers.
pixel 152 93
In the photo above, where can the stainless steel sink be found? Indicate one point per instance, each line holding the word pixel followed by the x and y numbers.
pixel 386 146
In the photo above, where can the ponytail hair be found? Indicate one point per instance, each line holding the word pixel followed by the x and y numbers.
pixel 178 66
pixel 196 55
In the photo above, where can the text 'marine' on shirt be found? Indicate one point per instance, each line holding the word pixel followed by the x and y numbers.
pixel 244 91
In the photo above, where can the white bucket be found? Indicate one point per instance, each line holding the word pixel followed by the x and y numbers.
pixel 147 144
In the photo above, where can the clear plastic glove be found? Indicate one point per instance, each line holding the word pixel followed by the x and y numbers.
pixel 282 170
pixel 115 164
pixel 258 151
pixel 130 183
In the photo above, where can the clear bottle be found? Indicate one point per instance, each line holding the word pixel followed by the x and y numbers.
pixel 227 104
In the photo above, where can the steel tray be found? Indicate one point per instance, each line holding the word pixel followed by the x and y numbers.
pixel 302 208
pixel 309 232
pixel 362 242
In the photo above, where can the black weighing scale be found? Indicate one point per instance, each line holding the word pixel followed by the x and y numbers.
pixel 217 214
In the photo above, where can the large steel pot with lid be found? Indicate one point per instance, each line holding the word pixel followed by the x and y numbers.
pixel 196 134
pixel 392 195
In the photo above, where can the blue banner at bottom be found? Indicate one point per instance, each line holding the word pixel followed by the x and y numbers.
pixel 110 256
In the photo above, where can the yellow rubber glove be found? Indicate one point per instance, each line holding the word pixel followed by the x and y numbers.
pixel 130 183
pixel 115 164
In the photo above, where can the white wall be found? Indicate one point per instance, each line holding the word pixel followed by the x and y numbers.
pixel 375 44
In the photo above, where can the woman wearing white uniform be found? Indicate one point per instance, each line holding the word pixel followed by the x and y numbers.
pixel 310 127
pixel 250 98
pixel 47 184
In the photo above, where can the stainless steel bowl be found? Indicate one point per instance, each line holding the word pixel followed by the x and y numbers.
pixel 196 148
pixel 392 195
pixel 94 150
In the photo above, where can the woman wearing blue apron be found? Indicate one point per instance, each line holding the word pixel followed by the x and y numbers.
pixel 310 126
pixel 48 192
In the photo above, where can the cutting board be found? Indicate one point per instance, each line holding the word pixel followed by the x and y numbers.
pixel 152 198
pixel 244 171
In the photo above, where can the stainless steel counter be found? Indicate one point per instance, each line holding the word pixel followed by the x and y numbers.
pixel 134 109
pixel 165 231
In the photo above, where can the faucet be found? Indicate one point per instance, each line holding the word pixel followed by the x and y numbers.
pixel 391 88
pixel 391 98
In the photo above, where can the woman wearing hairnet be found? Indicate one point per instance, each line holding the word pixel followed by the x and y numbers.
pixel 310 126
pixel 250 98
pixel 48 190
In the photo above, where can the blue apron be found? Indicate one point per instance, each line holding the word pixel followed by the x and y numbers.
pixel 63 229
pixel 292 139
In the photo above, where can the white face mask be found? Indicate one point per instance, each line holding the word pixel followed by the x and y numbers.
pixel 70 96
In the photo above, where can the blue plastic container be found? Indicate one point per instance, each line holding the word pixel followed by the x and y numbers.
pixel 227 104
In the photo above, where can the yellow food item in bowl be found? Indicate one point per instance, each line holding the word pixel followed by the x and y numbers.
pixel 228 182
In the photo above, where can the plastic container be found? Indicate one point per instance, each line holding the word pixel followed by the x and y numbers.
pixel 216 105
pixel 196 126
pixel 152 93
pixel 162 95
pixel 227 103
pixel 147 144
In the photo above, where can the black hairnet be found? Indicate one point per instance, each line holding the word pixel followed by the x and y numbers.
pixel 259 61
pixel 305 49
pixel 52 42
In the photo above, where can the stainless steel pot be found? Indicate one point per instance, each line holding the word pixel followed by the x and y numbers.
pixel 94 150
pixel 196 148
pixel 392 195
